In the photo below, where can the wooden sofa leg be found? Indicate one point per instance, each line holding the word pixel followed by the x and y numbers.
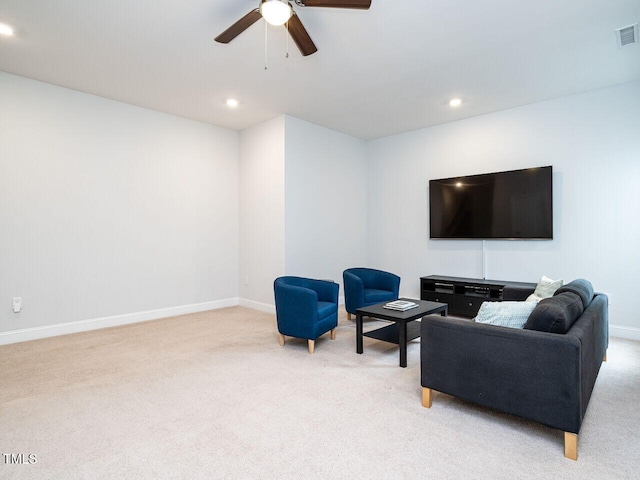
pixel 605 357
pixel 281 339
pixel 348 315
pixel 571 445
pixel 333 334
pixel 427 397
pixel 312 344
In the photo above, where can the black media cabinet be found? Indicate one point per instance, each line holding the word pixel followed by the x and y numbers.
pixel 464 295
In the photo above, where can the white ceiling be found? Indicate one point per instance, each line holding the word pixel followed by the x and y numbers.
pixel 379 72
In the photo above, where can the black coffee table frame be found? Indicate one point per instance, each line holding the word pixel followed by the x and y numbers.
pixel 402 330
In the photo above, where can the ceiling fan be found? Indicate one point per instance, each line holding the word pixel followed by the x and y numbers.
pixel 279 12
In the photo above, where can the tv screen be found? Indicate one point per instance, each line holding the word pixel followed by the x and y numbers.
pixel 503 205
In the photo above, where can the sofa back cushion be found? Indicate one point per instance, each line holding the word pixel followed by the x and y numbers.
pixel 580 287
pixel 555 314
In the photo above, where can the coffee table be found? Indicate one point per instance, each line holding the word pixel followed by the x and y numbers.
pixel 404 327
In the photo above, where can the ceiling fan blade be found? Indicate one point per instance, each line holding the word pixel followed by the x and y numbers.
pixel 359 4
pixel 240 26
pixel 300 36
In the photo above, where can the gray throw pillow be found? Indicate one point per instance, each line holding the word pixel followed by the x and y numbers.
pixel 580 287
pixel 555 314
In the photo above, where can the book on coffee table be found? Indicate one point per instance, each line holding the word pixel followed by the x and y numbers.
pixel 400 305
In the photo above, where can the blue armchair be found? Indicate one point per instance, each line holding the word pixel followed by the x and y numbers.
pixel 305 308
pixel 367 286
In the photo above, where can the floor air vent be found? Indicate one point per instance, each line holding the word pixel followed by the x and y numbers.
pixel 627 35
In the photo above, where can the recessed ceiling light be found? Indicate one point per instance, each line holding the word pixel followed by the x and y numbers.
pixel 6 30
pixel 232 102
pixel 455 102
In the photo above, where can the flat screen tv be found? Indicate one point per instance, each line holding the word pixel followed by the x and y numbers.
pixel 504 205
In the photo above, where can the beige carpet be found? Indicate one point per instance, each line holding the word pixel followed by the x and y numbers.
pixel 213 395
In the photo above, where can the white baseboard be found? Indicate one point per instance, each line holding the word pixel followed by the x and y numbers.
pixel 630 333
pixel 260 306
pixel 268 308
pixel 35 333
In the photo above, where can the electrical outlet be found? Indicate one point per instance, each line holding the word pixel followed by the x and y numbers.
pixel 246 281
pixel 17 304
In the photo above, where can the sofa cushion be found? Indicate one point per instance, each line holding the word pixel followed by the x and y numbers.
pixel 555 314
pixel 326 308
pixel 505 314
pixel 580 287
pixel 546 288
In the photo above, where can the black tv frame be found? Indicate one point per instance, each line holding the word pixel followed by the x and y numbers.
pixel 528 193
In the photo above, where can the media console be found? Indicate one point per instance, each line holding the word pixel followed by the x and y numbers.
pixel 464 295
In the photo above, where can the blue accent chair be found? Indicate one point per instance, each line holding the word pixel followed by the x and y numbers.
pixel 367 286
pixel 305 308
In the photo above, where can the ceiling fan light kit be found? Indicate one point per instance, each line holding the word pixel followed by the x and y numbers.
pixel 279 12
pixel 276 12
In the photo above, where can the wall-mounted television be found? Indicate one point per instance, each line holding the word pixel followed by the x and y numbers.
pixel 517 204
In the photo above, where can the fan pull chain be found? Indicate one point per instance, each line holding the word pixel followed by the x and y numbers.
pixel 287 55
pixel 265 44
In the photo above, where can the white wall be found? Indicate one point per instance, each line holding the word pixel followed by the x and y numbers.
pixel 302 205
pixel 593 142
pixel 325 201
pixel 108 209
pixel 262 257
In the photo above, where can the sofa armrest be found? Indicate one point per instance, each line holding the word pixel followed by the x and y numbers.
pixel 327 290
pixel 353 291
pixel 592 330
pixel 534 375
pixel 513 293
pixel 296 310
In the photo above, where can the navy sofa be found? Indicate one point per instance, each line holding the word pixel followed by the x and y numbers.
pixel 305 308
pixel 544 372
